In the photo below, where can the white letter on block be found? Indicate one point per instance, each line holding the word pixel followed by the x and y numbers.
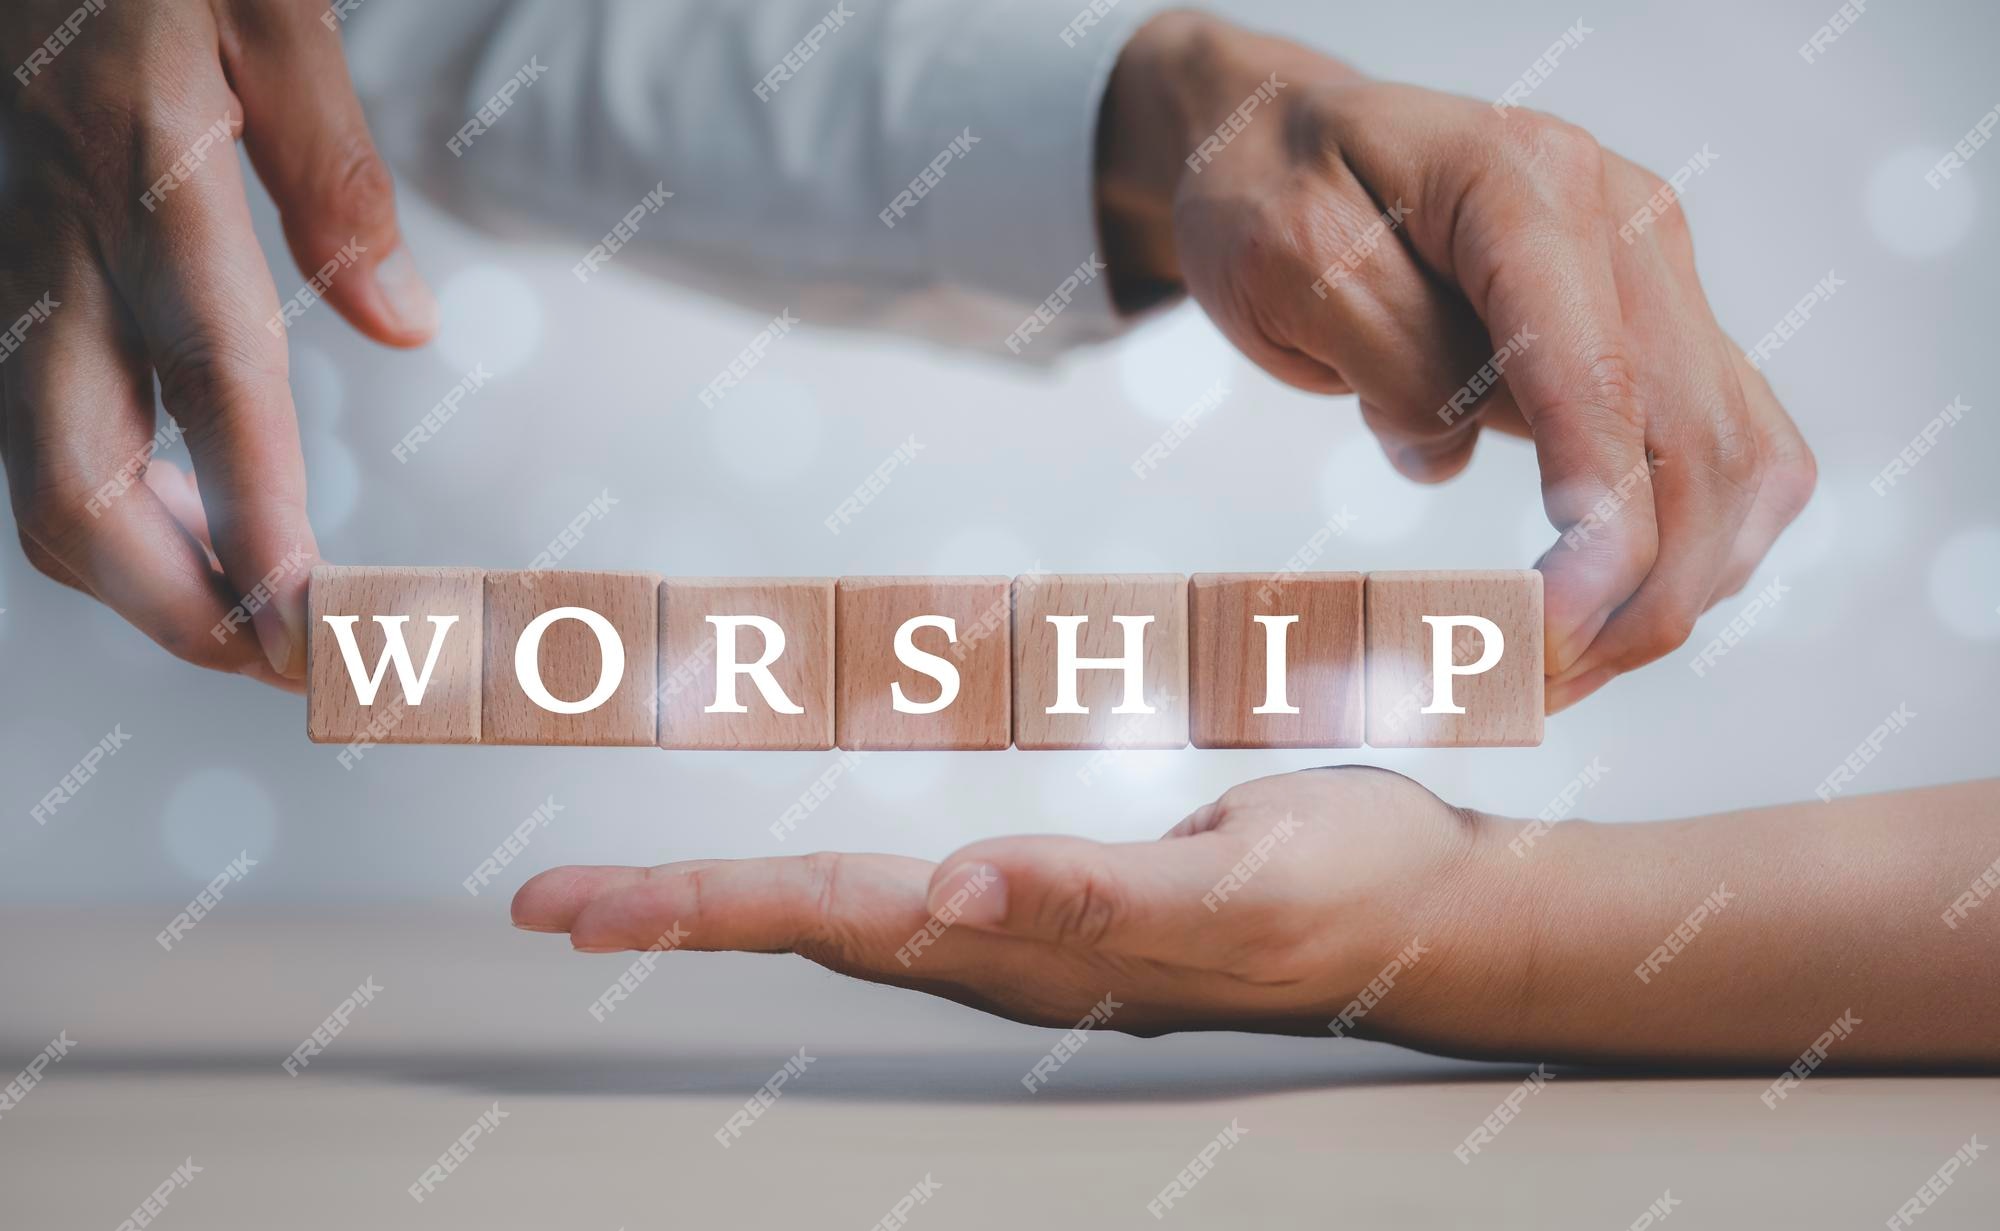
pixel 528 664
pixel 1132 663
pixel 1276 629
pixel 1442 668
pixel 394 651
pixel 727 668
pixel 937 668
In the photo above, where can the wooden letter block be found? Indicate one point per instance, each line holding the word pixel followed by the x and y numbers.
pixel 877 659
pixel 1311 628
pixel 778 634
pixel 585 676
pixel 1097 701
pixel 1502 702
pixel 436 614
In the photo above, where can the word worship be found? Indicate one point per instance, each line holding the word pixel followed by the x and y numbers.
pixel 1222 660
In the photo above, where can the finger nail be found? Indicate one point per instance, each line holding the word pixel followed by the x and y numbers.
pixel 974 893
pixel 409 297
pixel 274 634
pixel 598 948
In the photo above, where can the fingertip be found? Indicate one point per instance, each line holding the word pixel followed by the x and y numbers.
pixel 1561 694
pixel 551 901
pixel 408 306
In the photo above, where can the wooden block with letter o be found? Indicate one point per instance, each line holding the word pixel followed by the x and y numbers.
pixel 570 657
pixel 362 671
pixel 924 662
pixel 1488 693
pixel 1275 662
pixel 748 662
pixel 1100 661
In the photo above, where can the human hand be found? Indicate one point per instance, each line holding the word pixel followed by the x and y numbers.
pixel 1393 242
pixel 1338 872
pixel 122 213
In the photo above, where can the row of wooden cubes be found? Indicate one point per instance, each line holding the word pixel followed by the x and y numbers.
pixel 1356 660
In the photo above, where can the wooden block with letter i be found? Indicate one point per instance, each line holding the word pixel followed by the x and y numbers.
pixel 393 655
pixel 747 663
pixel 1100 661
pixel 1275 662
pixel 924 662
pixel 570 658
pixel 1454 659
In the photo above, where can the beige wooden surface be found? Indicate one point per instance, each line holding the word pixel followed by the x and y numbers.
pixel 611 1124
pixel 571 657
pixel 869 610
pixel 1503 705
pixel 449 711
pixel 1227 656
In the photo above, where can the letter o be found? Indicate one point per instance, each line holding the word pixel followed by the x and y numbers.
pixel 527 660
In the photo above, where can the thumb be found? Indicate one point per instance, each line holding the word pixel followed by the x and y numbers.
pixel 1137 899
pixel 309 141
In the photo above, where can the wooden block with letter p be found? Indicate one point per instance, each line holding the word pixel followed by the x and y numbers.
pixel 393 655
pixel 748 663
pixel 1100 661
pixel 570 658
pixel 1275 662
pixel 1455 659
pixel 924 662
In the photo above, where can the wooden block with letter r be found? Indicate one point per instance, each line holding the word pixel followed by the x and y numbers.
pixel 757 657
pixel 570 658
pixel 1275 661
pixel 1487 693
pixel 1100 661
pixel 361 670
pixel 924 662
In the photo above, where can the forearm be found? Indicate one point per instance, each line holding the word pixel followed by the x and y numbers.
pixel 919 165
pixel 1742 937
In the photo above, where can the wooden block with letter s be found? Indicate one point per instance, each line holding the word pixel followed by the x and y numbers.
pixel 923 662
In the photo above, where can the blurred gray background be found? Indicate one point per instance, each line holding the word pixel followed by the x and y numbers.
pixel 1892 600
pixel 1819 167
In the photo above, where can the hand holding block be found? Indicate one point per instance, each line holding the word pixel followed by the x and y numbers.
pixel 747 663
pixel 1487 691
pixel 908 644
pixel 1308 627
pixel 378 637
pixel 1100 661
pixel 569 658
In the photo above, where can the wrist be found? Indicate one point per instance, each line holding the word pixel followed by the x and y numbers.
pixel 1477 921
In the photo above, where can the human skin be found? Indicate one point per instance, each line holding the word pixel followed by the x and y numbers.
pixel 1514 228
pixel 180 292
pixel 1528 941
pixel 1515 222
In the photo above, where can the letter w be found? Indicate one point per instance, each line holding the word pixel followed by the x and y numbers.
pixel 394 650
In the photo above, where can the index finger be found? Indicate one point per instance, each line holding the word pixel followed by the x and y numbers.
pixel 209 318
pixel 1528 243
